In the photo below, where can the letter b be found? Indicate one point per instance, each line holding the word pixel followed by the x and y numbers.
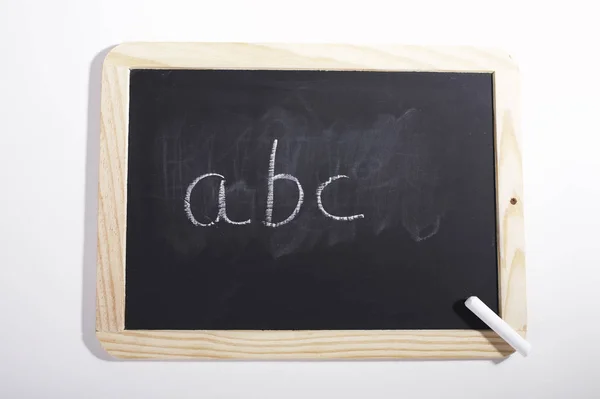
pixel 270 200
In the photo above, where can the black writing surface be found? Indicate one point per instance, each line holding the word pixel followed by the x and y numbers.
pixel 309 199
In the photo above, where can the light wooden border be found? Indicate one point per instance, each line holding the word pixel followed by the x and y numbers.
pixel 203 344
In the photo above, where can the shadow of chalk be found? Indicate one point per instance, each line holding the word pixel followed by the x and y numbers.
pixel 88 308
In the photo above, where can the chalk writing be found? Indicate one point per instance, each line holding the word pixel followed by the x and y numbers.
pixel 269 212
pixel 320 203
pixel 222 214
pixel 272 177
pixel 187 203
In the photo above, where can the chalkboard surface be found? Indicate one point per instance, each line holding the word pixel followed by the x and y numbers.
pixel 309 200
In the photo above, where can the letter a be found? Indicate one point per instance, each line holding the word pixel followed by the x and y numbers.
pixel 272 177
pixel 222 203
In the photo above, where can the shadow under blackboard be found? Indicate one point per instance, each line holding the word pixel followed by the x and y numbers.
pixel 91 222
pixel 88 310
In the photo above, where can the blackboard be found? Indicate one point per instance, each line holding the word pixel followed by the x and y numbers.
pixel 397 224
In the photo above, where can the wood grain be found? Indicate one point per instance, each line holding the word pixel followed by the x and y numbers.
pixel 383 344
pixel 110 272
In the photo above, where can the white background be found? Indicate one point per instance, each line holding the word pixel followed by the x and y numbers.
pixel 50 60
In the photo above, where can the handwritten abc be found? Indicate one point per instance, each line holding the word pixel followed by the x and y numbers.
pixel 222 201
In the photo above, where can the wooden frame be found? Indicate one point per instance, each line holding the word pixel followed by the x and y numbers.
pixel 110 307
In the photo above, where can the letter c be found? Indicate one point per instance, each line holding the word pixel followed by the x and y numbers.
pixel 320 204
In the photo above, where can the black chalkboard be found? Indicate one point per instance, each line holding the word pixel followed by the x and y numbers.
pixel 404 231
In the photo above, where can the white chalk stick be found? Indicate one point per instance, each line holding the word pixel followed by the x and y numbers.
pixel 501 327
